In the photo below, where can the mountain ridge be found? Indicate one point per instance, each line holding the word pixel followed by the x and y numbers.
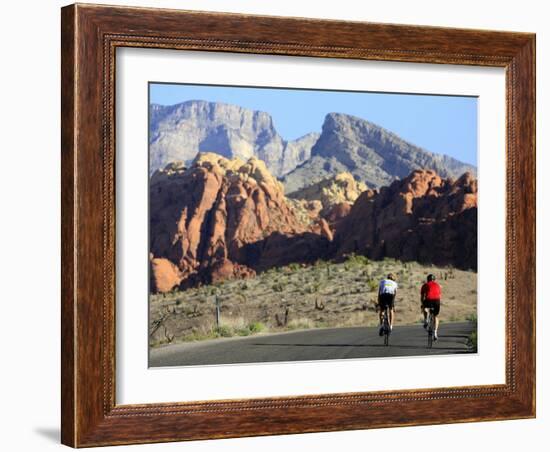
pixel 371 153
pixel 179 132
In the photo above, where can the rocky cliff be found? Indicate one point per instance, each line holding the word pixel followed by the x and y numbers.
pixel 332 191
pixel 220 219
pixel 369 152
pixel 423 218
pixel 179 132
pixel 228 218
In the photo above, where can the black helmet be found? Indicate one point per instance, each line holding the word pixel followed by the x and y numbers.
pixel 431 277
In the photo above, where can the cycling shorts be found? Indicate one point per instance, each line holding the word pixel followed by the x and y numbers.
pixel 386 299
pixel 432 304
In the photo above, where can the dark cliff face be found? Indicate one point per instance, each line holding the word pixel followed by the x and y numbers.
pixel 369 152
pixel 422 218
pixel 179 132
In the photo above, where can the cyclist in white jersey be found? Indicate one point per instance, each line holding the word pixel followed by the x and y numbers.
pixel 387 290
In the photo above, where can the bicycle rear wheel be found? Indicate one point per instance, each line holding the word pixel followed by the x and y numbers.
pixel 430 330
pixel 386 327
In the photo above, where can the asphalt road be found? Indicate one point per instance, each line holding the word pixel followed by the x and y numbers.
pixel 316 344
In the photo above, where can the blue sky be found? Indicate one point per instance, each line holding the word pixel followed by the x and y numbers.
pixel 441 124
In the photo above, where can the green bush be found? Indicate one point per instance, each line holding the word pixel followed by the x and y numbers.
pixel 373 285
pixel 256 327
pixel 357 260
pixel 472 317
pixel 278 287
pixel 313 288
pixel 293 267
pixel 224 331
pixel 472 341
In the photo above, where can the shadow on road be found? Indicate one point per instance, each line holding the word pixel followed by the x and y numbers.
pixel 410 347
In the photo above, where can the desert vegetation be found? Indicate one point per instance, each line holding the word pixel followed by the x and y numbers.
pixel 299 296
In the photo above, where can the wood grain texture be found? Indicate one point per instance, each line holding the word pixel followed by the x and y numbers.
pixel 90 36
pixel 68 332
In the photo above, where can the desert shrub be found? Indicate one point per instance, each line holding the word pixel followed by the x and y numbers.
pixel 300 324
pixel 472 341
pixel 243 332
pixel 294 267
pixel 372 285
pixel 313 288
pixel 357 260
pixel 278 287
pixel 225 331
pixel 472 317
pixel 256 327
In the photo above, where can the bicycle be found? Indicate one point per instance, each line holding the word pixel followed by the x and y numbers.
pixel 386 325
pixel 431 326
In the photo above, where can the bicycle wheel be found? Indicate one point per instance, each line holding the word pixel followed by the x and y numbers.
pixel 386 326
pixel 430 330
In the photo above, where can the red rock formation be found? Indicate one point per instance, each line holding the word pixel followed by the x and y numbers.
pixel 222 219
pixel 337 212
pixel 423 218
pixel 323 229
pixel 165 276
pixel 202 217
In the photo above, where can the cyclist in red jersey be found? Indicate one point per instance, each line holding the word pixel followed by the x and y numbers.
pixel 430 298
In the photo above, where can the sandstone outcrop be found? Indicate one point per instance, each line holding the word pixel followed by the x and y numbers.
pixel 165 276
pixel 339 189
pixel 202 217
pixel 422 218
pixel 225 218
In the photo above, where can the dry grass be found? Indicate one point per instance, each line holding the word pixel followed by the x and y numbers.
pixel 321 295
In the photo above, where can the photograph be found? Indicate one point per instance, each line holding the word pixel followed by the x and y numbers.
pixel 292 224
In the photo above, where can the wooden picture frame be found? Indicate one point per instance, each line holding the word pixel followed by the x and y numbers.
pixel 90 36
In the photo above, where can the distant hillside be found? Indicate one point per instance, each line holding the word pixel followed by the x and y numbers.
pixel 179 132
pixel 372 154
